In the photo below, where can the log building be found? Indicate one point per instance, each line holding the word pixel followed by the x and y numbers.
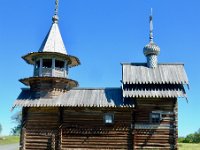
pixel 141 114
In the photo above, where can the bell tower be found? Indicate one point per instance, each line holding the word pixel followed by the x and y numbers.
pixel 51 63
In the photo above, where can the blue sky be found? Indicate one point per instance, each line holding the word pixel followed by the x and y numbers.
pixel 102 33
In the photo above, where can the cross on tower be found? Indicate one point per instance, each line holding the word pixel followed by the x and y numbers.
pixel 56 7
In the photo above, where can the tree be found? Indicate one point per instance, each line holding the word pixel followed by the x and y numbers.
pixel 17 118
pixel 191 138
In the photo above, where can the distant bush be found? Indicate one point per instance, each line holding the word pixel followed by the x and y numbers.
pixel 181 139
pixel 191 138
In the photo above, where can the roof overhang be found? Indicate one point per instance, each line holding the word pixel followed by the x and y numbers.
pixel 72 60
pixel 70 82
pixel 77 97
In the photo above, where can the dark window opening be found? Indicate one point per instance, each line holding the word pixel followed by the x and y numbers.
pixel 47 63
pixel 59 64
pixel 37 64
pixel 155 118
pixel 109 118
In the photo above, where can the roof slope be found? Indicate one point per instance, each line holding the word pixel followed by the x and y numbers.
pixel 139 73
pixel 108 97
pixel 53 41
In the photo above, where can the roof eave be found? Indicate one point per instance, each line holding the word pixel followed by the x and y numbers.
pixel 72 60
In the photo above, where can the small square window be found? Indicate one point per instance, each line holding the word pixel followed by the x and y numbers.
pixel 108 118
pixel 155 117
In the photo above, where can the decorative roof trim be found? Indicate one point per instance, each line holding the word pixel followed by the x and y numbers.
pixel 155 93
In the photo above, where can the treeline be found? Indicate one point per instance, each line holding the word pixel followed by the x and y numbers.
pixel 17 119
pixel 191 138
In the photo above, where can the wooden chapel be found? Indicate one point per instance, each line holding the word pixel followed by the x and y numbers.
pixel 141 114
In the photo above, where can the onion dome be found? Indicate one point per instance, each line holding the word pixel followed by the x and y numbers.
pixel 151 50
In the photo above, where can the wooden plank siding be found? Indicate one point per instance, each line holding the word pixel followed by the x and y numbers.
pixel 68 128
pixel 156 136
pixel 76 128
pixel 85 129
pixel 42 129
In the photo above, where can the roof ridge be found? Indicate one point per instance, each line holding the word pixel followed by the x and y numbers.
pixel 141 63
pixel 95 88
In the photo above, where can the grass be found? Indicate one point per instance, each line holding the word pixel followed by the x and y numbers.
pixel 9 140
pixel 15 139
pixel 188 146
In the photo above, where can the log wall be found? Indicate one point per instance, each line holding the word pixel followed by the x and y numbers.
pixel 156 136
pixel 41 129
pixel 84 128
pixel 72 128
pixel 48 88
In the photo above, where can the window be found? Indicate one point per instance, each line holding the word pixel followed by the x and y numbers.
pixel 59 64
pixel 47 63
pixel 108 118
pixel 155 117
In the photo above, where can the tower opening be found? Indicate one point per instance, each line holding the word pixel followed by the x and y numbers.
pixel 59 64
pixel 47 63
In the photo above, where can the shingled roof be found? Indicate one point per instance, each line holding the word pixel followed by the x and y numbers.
pixel 80 97
pixel 139 73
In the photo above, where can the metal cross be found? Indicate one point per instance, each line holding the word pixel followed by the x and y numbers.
pixel 56 7
pixel 151 26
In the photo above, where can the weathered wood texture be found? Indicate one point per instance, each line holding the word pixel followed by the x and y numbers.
pixel 41 129
pixel 46 89
pixel 61 128
pixel 156 136
pixel 65 128
pixel 85 129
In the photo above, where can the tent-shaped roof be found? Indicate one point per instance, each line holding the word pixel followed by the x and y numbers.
pixel 53 41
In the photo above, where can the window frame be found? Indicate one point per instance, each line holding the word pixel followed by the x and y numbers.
pixel 155 120
pixel 108 115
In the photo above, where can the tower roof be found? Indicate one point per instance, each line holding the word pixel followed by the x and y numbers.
pixel 53 45
pixel 53 41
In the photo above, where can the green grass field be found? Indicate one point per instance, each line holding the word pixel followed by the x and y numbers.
pixel 9 140
pixel 15 139
pixel 188 146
